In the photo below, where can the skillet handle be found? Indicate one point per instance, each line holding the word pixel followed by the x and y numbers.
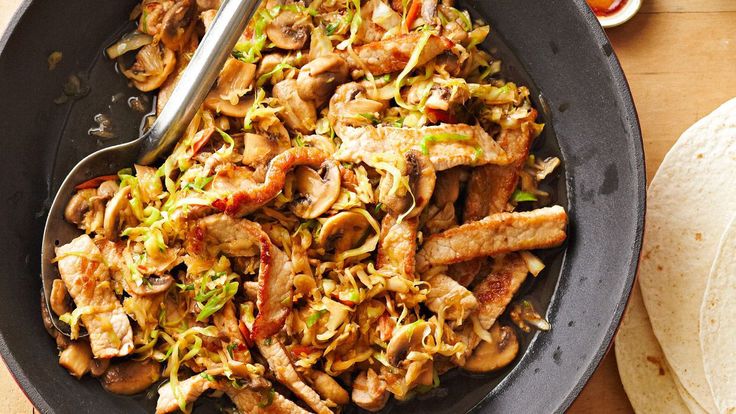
pixel 199 75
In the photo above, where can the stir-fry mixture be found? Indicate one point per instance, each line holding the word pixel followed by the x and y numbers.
pixel 345 219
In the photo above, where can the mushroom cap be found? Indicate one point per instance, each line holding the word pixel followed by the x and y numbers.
pixel 490 356
pixel 298 114
pixel 289 30
pixel 114 207
pixel 318 79
pixel 422 178
pixel 343 231
pixel 404 339
pixel 316 191
pixel 154 63
pixel 78 206
pixel 131 376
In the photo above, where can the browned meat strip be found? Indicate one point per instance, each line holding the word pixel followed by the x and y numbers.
pixel 191 388
pixel 496 234
pixel 398 245
pixel 253 195
pixel 447 293
pixel 498 288
pixel 392 55
pixel 241 237
pixel 281 365
pixel 491 186
pixel 466 145
pixel 87 279
pixel 254 402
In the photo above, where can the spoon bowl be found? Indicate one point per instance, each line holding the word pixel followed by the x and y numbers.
pixel 185 100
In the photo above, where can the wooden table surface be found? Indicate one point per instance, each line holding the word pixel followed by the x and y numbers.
pixel 680 59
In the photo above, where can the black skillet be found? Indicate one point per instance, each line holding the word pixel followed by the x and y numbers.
pixel 555 47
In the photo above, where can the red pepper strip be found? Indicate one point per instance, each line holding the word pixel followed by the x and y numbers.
pixel 341 300
pixel 437 115
pixel 246 334
pixel 203 139
pixel 297 350
pixel 413 13
pixel 95 182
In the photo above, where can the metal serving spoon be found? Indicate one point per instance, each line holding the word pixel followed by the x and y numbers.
pixel 185 100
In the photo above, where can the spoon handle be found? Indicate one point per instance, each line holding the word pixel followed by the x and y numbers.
pixel 198 77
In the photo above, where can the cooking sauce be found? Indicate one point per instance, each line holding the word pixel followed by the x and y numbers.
pixel 606 7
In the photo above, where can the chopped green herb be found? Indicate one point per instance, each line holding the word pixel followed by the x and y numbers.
pixel 185 288
pixel 278 69
pixel 521 196
pixel 313 318
pixel 331 28
pixel 442 137
pixel 371 118
pixel 207 376
pixel 230 349
pixel 199 183
pixel 378 208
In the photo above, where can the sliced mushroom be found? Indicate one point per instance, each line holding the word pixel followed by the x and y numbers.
pixel 349 104
pixel 107 189
pixel 76 358
pixel 369 391
pixel 153 64
pixel 316 191
pixel 98 367
pixel 59 299
pixel 178 23
pixel 131 377
pixel 236 78
pixel 422 178
pixel 404 339
pixel 153 286
pixel 298 114
pixel 260 148
pixel 328 388
pixel 78 206
pixel 343 231
pixel 289 30
pixel 113 209
pixel 318 79
pixel 490 356
pixel 62 341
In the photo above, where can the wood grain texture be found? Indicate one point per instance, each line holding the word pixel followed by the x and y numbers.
pixel 679 57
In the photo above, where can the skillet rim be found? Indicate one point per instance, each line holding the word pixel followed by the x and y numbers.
pixel 621 89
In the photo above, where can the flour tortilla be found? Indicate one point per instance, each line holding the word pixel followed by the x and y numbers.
pixel 685 219
pixel 717 318
pixel 688 399
pixel 647 379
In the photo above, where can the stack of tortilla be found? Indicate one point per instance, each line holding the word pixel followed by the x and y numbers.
pixel 676 343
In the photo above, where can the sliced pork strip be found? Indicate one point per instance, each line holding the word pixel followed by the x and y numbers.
pixel 252 195
pixel 191 389
pixel 496 234
pixel 363 144
pixel 392 55
pixel 282 367
pixel 241 237
pixel 490 186
pixel 250 401
pixel 446 292
pixel 87 280
pixel 397 245
pixel 497 289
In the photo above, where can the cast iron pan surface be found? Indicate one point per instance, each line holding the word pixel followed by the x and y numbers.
pixel 556 48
